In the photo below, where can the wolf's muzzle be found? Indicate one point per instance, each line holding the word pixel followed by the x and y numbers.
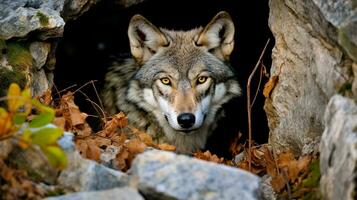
pixel 186 120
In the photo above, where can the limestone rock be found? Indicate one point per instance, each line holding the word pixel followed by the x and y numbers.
pixel 343 15
pixel 87 175
pixel 166 175
pixel 35 163
pixel 338 150
pixel 39 23
pixel 39 52
pixel 311 67
pixel 124 193
pixel 128 3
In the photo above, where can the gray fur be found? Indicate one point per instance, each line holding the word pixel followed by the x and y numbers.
pixel 176 54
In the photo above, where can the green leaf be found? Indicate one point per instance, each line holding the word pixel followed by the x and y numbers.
pixel 41 107
pixel 46 136
pixel 19 118
pixel 56 156
pixel 42 119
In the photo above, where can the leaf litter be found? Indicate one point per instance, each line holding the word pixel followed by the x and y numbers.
pixel 283 168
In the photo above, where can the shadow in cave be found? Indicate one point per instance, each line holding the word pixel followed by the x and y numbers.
pixel 85 52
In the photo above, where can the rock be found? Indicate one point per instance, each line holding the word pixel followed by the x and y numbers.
pixel 42 21
pixel 311 67
pixel 266 190
pixel 124 193
pixel 75 8
pixel 338 150
pixel 39 52
pixel 20 17
pixel 107 158
pixel 16 20
pixel 35 163
pixel 66 142
pixel 166 175
pixel 39 82
pixel 87 175
pixel 128 3
pixel 343 15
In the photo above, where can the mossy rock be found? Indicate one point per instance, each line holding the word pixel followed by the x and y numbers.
pixel 19 55
pixel 44 20
pixel 309 188
pixel 347 44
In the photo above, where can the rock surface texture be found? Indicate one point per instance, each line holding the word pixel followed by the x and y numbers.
pixel 33 26
pixel 124 193
pixel 165 175
pixel 338 150
pixel 314 58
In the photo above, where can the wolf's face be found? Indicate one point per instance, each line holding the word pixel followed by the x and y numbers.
pixel 183 77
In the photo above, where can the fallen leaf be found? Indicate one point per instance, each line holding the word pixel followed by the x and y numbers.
pixel 166 147
pixel 147 139
pixel 208 156
pixel 122 160
pixel 82 147
pixel 60 122
pixel 135 146
pixel 119 139
pixel 46 97
pixel 269 86
pixel 102 142
pixel 236 147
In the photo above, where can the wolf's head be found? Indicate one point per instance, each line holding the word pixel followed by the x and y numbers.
pixel 183 76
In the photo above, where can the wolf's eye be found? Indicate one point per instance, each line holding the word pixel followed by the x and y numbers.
pixel 201 79
pixel 165 81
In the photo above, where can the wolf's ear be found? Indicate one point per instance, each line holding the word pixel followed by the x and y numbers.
pixel 218 36
pixel 145 38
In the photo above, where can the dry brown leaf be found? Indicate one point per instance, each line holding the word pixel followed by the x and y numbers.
pixel 269 86
pixel 304 162
pixel 102 142
pixel 76 116
pixel 147 139
pixel 93 151
pixel 60 122
pixel 46 97
pixel 111 126
pixel 82 147
pixel 119 139
pixel 208 156
pixel 121 161
pixel 71 111
pixel 135 146
pixel 236 147
pixel 278 182
pixel 166 147
pixel 83 130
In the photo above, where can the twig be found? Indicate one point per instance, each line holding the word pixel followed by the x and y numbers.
pixel 100 102
pixel 249 107
pixel 257 92
pixel 91 81
pixel 95 105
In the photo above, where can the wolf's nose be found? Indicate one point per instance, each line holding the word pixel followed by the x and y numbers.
pixel 186 120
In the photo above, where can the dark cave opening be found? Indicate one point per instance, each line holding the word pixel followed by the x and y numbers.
pixel 90 42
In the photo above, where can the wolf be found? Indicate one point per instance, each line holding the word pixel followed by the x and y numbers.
pixel 175 83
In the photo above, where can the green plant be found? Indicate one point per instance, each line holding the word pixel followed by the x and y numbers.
pixel 25 120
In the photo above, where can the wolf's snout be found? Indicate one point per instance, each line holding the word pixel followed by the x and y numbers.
pixel 186 120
